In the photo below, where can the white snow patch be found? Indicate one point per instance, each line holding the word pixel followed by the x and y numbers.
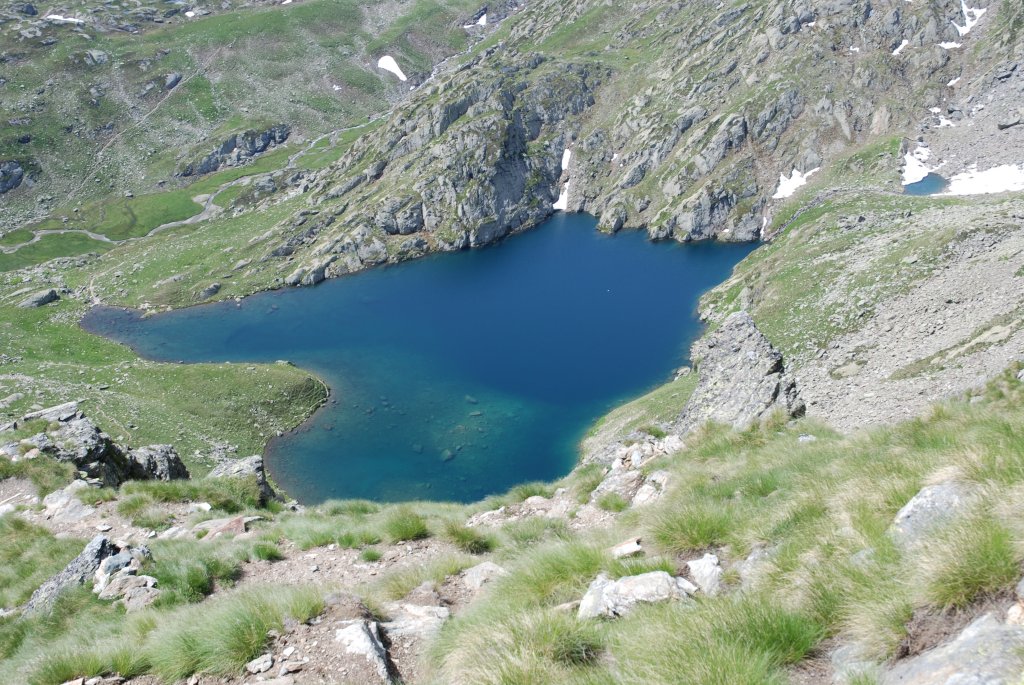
pixel 566 156
pixel 945 123
pixel 934 110
pixel 900 49
pixel 190 14
pixel 954 81
pixel 563 199
pixel 854 48
pixel 914 167
pixel 287 2
pixel 58 19
pixel 482 21
pixel 949 45
pixel 812 24
pixel 615 156
pixel 388 63
pixel 788 186
pixel 1000 179
pixel 971 18
pixel 336 87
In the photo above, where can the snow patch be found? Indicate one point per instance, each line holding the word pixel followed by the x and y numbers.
pixel 1000 179
pixel 482 21
pixel 388 63
pixel 949 45
pixel 945 123
pixel 788 186
pixel 954 81
pixel 566 156
pixel 58 19
pixel 854 48
pixel 900 49
pixel 934 110
pixel 914 167
pixel 563 199
pixel 971 18
pixel 190 14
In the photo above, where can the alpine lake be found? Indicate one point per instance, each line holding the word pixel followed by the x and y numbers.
pixel 457 376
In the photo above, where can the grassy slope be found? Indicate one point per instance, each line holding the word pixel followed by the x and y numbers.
pixel 194 407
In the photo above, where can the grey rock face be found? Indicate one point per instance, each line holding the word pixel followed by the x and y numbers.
pixel 171 80
pixel 66 505
pixel 742 378
pixel 80 442
pixel 481 574
pixel 706 573
pixel 75 573
pixel 239 148
pixel 43 297
pixel 11 175
pixel 987 652
pixel 927 510
pixel 156 462
pixel 611 598
pixel 250 467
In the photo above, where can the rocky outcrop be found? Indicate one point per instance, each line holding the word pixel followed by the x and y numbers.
pixel 11 175
pixel 238 148
pixel 741 378
pixel 156 462
pixel 609 598
pixel 91 450
pixel 76 573
pixel 249 467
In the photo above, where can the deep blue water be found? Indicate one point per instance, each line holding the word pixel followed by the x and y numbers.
pixel 929 185
pixel 459 375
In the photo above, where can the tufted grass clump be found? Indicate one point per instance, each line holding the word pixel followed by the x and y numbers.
pixel 613 502
pixel 187 571
pixel 404 524
pixel 974 557
pixel 29 555
pixel 225 633
pixel 695 525
pixel 468 539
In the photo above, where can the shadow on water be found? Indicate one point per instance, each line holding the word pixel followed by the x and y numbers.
pixel 457 376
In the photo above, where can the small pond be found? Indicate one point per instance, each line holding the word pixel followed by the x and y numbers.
pixel 932 184
pixel 459 375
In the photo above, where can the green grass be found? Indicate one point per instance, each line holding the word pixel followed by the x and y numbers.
pixel 188 570
pixel 404 524
pixel 51 247
pixel 613 502
pixel 16 237
pixel 29 555
pixel 370 554
pixel 46 474
pixel 469 540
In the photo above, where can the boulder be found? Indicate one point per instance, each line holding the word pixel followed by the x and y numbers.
pixel 250 467
pixel 612 598
pixel 39 299
pixel 80 569
pixel 362 638
pixel 65 504
pixel 61 412
pixel 987 652
pixel 481 574
pixel 933 506
pixel 741 378
pixel 260 664
pixel 11 175
pixel 706 573
pixel 171 80
pixel 156 462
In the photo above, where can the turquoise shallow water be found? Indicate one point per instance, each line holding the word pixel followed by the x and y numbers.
pixel 929 185
pixel 459 375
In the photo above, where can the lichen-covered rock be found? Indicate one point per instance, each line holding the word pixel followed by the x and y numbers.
pixel 741 378
pixel 80 442
pixel 77 572
pixel 11 175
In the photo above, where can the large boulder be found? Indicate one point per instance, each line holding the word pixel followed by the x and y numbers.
pixel 362 639
pixel 250 467
pixel 81 443
pixel 933 506
pixel 742 378
pixel 81 568
pixel 612 598
pixel 156 462
pixel 39 299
